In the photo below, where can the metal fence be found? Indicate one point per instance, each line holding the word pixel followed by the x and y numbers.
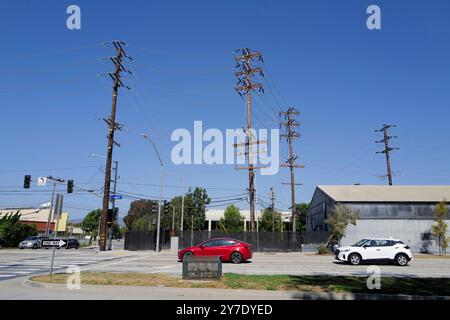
pixel 260 241
pixel 145 240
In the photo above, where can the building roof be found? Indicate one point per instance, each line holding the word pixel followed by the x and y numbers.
pixel 377 193
pixel 37 215
pixel 216 214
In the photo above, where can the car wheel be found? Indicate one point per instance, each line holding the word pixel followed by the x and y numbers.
pixel 76 247
pixel 354 259
pixel 401 259
pixel 188 254
pixel 236 257
pixel 34 246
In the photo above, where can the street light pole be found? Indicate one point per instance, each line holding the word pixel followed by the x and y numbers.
pixel 182 210
pixel 158 225
pixel 113 203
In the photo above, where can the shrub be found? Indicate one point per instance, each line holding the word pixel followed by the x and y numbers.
pixel 323 250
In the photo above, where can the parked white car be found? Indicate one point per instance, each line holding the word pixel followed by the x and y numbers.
pixel 375 249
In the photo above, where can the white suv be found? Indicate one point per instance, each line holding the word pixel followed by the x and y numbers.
pixel 375 249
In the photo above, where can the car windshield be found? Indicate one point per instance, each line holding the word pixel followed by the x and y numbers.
pixel 360 243
pixel 31 238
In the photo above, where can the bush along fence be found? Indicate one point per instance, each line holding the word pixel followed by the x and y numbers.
pixel 260 241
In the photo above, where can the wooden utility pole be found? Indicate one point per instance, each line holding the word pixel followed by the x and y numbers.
pixel 112 126
pixel 290 135
pixel 387 148
pixel 246 71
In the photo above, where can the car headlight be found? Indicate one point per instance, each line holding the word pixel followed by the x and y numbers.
pixel 346 250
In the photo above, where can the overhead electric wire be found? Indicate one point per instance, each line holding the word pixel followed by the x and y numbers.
pixel 181 53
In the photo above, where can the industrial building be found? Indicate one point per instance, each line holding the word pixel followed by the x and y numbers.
pixel 403 212
pixel 213 217
pixel 39 218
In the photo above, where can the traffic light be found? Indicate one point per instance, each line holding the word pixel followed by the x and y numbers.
pixel 154 206
pixel 69 186
pixel 113 214
pixel 27 181
pixel 166 207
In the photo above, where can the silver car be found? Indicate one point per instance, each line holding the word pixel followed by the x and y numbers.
pixel 31 243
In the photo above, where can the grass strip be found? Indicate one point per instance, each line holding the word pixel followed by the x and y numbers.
pixel 322 283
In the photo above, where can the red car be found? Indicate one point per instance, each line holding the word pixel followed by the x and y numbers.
pixel 228 249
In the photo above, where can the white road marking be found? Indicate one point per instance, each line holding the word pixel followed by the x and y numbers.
pixel 6 275
pixel 21 272
pixel 112 263
pixel 166 267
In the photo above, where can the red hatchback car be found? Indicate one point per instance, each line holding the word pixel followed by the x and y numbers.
pixel 228 249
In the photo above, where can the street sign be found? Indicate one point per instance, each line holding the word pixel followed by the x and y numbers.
pixel 41 181
pixel 49 243
pixel 116 196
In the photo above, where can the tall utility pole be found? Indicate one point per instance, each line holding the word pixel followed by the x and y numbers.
pixel 246 71
pixel 113 204
pixel 387 148
pixel 272 207
pixel 112 126
pixel 290 135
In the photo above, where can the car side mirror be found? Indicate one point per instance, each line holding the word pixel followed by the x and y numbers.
pixel 365 246
pixel 201 247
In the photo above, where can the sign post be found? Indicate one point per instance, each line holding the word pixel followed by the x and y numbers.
pixel 56 242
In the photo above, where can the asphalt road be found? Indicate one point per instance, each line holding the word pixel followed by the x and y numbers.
pixel 16 266
pixel 23 263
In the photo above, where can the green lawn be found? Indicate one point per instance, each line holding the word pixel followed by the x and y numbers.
pixel 350 284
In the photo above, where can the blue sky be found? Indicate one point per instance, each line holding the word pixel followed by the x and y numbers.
pixel 319 57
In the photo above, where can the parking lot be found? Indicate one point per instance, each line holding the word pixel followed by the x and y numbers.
pixel 15 263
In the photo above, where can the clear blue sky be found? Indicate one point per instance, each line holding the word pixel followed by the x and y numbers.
pixel 344 79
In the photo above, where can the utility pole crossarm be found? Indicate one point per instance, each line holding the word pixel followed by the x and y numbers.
pixel 387 148
pixel 290 134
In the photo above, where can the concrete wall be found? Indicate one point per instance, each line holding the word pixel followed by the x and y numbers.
pixel 410 231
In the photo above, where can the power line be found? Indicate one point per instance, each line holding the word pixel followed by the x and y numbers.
pixel 290 135
pixel 180 53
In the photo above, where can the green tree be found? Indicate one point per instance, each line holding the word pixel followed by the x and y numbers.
pixel 301 210
pixel 90 223
pixel 195 207
pixel 340 217
pixel 439 229
pixel 12 231
pixel 144 223
pixel 232 220
pixel 139 209
pixel 265 221
pixel 166 219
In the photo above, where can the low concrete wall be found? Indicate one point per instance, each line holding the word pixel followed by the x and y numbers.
pixel 411 232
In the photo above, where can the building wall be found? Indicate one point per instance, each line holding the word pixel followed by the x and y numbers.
pixel 413 232
pixel 318 211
